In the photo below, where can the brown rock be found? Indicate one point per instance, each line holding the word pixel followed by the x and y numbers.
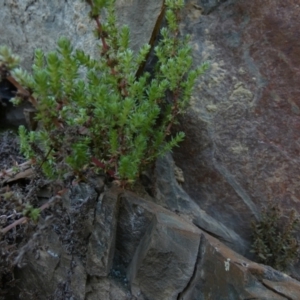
pixel 223 274
pixel 242 131
pixel 170 195
pixel 166 256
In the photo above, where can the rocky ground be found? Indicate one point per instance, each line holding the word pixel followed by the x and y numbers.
pixel 9 156
pixel 25 238
pixel 65 227
pixel 97 241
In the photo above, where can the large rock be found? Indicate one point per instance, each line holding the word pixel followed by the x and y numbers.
pixel 164 259
pixel 173 259
pixel 53 19
pixel 159 254
pixel 28 25
pixel 170 195
pixel 102 241
pixel 242 131
pixel 223 274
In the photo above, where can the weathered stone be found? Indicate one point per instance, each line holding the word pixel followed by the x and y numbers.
pixel 56 256
pixel 69 18
pixel 106 289
pixel 289 288
pixel 242 131
pixel 166 256
pixel 221 273
pixel 65 18
pixel 85 196
pixel 48 266
pixel 170 195
pixel 206 6
pixel 102 241
pixel 133 222
pixel 164 260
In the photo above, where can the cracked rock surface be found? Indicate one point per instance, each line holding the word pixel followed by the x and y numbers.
pixel 141 251
pixel 187 241
pixel 242 131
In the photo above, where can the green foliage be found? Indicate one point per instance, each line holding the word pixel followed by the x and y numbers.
pixel 273 240
pixel 98 110
pixel 6 56
pixel 32 213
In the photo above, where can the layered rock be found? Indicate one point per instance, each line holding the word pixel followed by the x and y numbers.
pixel 141 251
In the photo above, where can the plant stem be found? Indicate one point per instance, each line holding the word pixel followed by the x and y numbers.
pixel 25 219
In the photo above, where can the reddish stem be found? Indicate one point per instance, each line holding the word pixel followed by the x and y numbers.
pixel 100 31
pixel 101 165
pixel 174 111
pixel 21 90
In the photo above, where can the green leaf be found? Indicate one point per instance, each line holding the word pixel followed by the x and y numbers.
pixel 124 38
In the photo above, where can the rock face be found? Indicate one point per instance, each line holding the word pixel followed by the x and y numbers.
pixel 69 18
pixel 101 247
pixel 242 144
pixel 164 260
pixel 170 195
pixel 35 24
pixel 241 278
pixel 142 251
pixel 241 149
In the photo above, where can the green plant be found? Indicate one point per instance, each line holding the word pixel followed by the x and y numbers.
pixel 96 112
pixel 31 212
pixel 273 240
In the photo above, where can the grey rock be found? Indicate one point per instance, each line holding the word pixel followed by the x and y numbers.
pixel 49 266
pixel 38 24
pixel 106 289
pixel 55 256
pixel 170 195
pixel 165 257
pixel 68 18
pixel 133 222
pixel 221 273
pixel 102 241
pixel 207 6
